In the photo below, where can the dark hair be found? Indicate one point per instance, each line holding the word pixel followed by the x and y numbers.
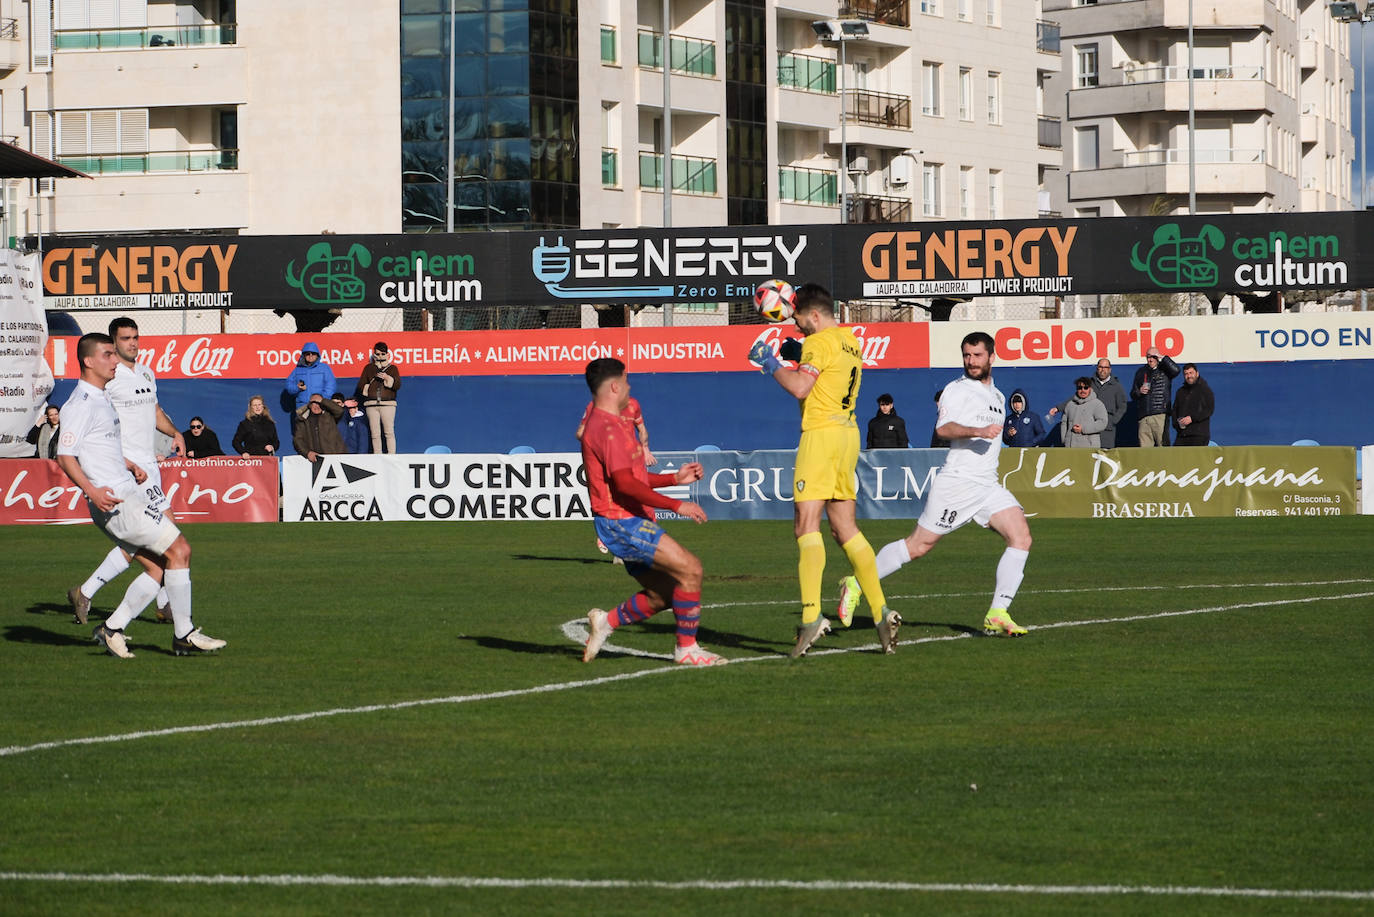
pixel 122 322
pixel 380 347
pixel 815 296
pixel 1083 382
pixel 88 343
pixel 338 395
pixel 1192 366
pixel 193 420
pixel 974 338
pixel 599 370
pixel 884 398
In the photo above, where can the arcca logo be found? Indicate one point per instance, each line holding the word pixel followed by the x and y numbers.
pixel 329 278
pixel 332 474
pixel 1176 262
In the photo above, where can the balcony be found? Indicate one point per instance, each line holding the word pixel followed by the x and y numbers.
pixel 171 36
pixel 808 186
pixel 691 174
pixel 1148 173
pixel 1050 133
pixel 879 109
pixel 887 12
pixel 806 73
pixel 1160 88
pixel 692 56
pixel 1159 74
pixel 1309 124
pixel 11 48
pixel 874 208
pixel 610 168
pixel 1309 50
pixel 1047 37
pixel 149 163
pixel 1133 158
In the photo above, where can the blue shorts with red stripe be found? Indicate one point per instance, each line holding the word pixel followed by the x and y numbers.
pixel 633 540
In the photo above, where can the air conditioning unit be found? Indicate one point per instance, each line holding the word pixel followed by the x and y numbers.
pixel 858 159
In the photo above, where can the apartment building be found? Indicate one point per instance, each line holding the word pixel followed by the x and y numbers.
pixel 359 116
pixel 1271 106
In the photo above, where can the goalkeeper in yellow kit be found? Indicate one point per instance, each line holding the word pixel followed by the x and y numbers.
pixel 826 382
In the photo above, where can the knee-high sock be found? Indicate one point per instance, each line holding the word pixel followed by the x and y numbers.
pixel 136 598
pixel 1011 569
pixel 810 572
pixel 860 554
pixel 163 600
pixel 635 608
pixel 891 558
pixel 178 583
pixel 687 611
pixel 114 564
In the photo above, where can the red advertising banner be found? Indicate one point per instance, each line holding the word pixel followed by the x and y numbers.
pixel 679 349
pixel 202 490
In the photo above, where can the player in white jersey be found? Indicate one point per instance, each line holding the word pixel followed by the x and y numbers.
pixel 91 453
pixel 133 392
pixel 967 487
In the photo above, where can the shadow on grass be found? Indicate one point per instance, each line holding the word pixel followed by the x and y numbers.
pixel 523 646
pixel 49 608
pixel 954 628
pixel 565 560
pixel 80 635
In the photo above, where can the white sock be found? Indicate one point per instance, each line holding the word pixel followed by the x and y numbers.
pixel 136 598
pixel 114 564
pixel 892 558
pixel 1011 569
pixel 162 600
pixel 178 583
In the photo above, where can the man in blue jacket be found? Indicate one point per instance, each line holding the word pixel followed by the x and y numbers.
pixel 1022 428
pixel 312 376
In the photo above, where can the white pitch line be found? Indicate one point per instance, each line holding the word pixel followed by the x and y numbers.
pixel 12 750
pixel 817 885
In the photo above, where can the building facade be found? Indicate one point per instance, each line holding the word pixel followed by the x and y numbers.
pixel 1271 107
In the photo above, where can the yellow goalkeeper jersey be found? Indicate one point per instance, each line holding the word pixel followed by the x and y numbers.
pixel 834 358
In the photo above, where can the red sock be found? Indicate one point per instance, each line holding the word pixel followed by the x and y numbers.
pixel 687 610
pixel 635 608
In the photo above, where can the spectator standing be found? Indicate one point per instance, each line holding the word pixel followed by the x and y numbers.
pixel 886 430
pixel 1023 428
pixel 312 376
pixel 1193 406
pixel 44 434
pixel 1151 391
pixel 1112 394
pixel 353 428
pixel 317 429
pixel 1085 417
pixel 378 384
pixel 257 432
pixel 201 441
pixel 936 440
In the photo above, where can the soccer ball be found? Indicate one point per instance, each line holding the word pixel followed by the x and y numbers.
pixel 775 300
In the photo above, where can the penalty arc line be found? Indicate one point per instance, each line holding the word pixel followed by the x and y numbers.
pixel 12 750
pixel 818 885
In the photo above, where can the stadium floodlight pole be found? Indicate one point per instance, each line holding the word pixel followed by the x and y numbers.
pixel 667 52
pixel 452 94
pixel 841 31
pixel 1349 11
pixel 1192 142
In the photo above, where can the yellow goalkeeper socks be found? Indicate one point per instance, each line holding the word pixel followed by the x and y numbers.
pixel 860 554
pixel 810 573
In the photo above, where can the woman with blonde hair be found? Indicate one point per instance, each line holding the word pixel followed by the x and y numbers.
pixel 257 432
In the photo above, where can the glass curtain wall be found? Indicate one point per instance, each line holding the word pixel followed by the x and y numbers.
pixel 746 113
pixel 514 114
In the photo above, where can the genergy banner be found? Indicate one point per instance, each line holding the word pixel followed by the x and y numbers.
pixel 718 348
pixel 201 490
pixel 1197 339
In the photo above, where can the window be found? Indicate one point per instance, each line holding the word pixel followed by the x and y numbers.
pixel 930 89
pixel 994 97
pixel 1085 62
pixel 995 194
pixel 930 189
pixel 965 10
pixel 1085 147
pixel 965 94
pixel 994 13
pixel 930 7
pixel 966 192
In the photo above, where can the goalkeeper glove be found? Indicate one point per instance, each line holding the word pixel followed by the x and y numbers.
pixel 791 349
pixel 762 354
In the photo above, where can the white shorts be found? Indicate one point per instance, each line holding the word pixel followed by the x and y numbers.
pixel 134 523
pixel 955 501
pixel 152 488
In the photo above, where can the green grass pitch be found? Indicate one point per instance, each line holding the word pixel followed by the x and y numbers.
pixel 1190 714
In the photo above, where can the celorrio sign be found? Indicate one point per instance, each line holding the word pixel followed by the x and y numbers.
pixel 1218 254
